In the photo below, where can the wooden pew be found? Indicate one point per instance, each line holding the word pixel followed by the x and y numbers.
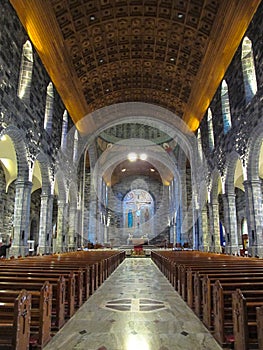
pixel 222 309
pixel 58 296
pixel 45 272
pixel 196 295
pixel 40 320
pixel 230 283
pixel 245 321
pixel 187 263
pixel 260 326
pixel 194 276
pixel 107 261
pixel 194 281
pixel 92 269
pixel 15 322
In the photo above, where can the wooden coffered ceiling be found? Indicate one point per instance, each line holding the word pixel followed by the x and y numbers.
pixel 172 53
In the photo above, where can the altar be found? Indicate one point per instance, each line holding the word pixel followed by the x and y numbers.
pixel 138 240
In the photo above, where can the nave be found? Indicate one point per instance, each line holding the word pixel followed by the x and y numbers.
pixel 135 308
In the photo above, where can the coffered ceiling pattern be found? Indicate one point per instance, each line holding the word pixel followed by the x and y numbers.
pixel 136 51
pixel 172 53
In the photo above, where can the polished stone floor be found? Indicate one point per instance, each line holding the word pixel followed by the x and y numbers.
pixel 135 309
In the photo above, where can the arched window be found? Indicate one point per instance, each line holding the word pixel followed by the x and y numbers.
pixel 49 108
pixel 26 69
pixel 199 144
pixel 75 147
pixel 64 131
pixel 211 140
pixel 248 67
pixel 225 107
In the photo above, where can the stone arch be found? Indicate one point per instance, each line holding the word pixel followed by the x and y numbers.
pixel 45 168
pixel 231 162
pixel 61 186
pixel 138 112
pixel 22 154
pixel 73 193
pixel 215 185
pixel 254 147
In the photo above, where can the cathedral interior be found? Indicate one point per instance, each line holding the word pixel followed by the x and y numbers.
pixel 129 122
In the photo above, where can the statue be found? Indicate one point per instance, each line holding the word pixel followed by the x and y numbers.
pixel 130 218
pixel 146 215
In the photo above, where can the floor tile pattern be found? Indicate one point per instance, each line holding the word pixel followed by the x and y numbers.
pixel 135 309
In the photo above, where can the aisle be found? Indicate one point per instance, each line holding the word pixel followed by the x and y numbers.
pixel 135 309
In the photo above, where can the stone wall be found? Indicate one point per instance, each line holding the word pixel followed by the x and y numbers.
pixel 23 121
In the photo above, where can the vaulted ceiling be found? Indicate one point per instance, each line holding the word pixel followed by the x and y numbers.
pixel 172 53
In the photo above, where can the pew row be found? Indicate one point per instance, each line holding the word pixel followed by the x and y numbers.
pixel 15 322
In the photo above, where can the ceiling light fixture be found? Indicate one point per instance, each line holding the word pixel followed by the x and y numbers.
pixel 152 170
pixel 143 156
pixel 92 18
pixel 132 157
pixel 123 170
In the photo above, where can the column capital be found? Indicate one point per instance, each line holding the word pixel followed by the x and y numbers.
pixel 252 182
pixel 230 195
pixel 23 183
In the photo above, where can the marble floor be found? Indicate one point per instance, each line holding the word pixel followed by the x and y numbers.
pixel 136 308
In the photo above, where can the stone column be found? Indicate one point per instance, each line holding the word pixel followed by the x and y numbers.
pixel 59 244
pixel 49 224
pixel 21 218
pixel 184 215
pixel 229 201
pixel 43 224
pixel 100 229
pixel 92 213
pixel 205 230
pixel 72 227
pixel 217 247
pixel 211 237
pixel 254 214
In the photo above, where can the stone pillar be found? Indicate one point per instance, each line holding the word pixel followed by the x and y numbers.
pixel 217 247
pixel 43 224
pixel 254 214
pixel 196 229
pixel 205 230
pixel 49 224
pixel 183 210
pixel 211 237
pixel 72 227
pixel 92 213
pixel 60 242
pixel 21 218
pixel 229 201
